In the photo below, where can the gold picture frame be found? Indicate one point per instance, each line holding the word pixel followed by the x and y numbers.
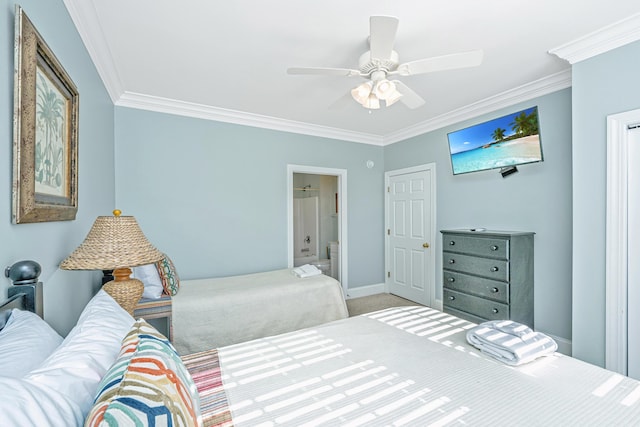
pixel 45 131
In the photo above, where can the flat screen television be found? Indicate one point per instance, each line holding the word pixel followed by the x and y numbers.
pixel 504 142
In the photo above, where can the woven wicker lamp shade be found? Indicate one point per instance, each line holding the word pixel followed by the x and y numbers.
pixel 115 243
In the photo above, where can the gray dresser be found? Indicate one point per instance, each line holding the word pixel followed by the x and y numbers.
pixel 488 275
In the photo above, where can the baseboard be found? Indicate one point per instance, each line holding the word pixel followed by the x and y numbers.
pixel 564 345
pixel 365 291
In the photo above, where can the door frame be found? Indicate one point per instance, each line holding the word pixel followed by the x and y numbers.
pixel 434 246
pixel 617 261
pixel 341 174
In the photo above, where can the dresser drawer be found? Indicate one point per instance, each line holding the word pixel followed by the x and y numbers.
pixel 481 246
pixel 491 268
pixel 463 315
pixel 476 306
pixel 495 290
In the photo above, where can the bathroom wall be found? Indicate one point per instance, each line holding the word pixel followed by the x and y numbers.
pixel 325 187
pixel 328 213
pixel 305 230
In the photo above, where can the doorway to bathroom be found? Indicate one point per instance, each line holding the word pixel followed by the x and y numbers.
pixel 316 211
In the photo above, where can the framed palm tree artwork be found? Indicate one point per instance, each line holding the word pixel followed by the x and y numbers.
pixel 45 133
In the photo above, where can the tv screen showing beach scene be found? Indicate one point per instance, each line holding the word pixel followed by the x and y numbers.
pixel 510 140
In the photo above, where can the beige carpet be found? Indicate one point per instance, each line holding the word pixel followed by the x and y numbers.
pixel 357 306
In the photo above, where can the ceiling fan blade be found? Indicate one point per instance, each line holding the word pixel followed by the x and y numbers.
pixel 440 63
pixel 342 102
pixel 409 97
pixel 382 36
pixel 324 71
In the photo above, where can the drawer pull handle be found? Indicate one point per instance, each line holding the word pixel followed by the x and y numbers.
pixel 495 311
pixel 495 290
pixel 451 243
pixel 494 269
pixel 452 261
pixel 494 247
pixel 451 298
pixel 451 279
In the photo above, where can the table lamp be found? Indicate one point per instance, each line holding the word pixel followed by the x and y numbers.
pixel 115 243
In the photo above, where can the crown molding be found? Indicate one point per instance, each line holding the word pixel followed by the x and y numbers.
pixel 201 111
pixel 540 87
pixel 544 86
pixel 84 17
pixel 603 40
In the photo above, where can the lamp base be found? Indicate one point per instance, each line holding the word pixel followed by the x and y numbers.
pixel 126 292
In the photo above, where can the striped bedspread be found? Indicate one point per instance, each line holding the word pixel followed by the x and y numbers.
pixel 412 366
pixel 204 368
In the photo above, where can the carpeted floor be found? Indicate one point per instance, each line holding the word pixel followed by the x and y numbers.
pixel 357 306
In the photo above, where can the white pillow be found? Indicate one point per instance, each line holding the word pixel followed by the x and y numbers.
pixel 25 403
pixel 25 342
pixel 148 274
pixel 76 367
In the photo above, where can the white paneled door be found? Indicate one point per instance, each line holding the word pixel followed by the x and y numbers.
pixel 410 234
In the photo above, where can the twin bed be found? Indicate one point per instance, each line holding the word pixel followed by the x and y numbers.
pixel 216 312
pixel 400 366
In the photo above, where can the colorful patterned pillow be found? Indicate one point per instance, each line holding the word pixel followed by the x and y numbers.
pixel 148 385
pixel 169 276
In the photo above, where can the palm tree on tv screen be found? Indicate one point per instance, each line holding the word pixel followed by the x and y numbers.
pixel 498 134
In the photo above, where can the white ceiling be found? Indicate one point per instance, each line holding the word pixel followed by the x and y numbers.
pixel 227 60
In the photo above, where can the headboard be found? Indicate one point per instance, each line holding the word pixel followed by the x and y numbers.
pixel 24 275
pixel 18 300
pixel 31 296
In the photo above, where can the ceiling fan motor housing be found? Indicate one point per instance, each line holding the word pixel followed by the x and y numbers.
pixel 368 65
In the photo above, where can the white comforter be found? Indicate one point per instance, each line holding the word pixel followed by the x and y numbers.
pixel 412 366
pixel 210 313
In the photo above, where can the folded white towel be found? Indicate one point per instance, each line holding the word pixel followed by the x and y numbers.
pixel 510 342
pixel 307 270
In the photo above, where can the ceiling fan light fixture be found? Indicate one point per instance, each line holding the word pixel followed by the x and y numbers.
pixel 384 88
pixel 362 92
pixel 372 102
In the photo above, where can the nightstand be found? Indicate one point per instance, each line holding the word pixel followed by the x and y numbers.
pixel 156 309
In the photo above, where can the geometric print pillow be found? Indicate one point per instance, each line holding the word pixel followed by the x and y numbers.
pixel 168 276
pixel 148 385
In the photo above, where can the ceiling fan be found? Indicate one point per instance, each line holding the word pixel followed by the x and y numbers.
pixel 381 62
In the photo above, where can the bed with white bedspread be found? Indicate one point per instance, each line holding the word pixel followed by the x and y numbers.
pixel 413 366
pixel 215 312
pixel 401 366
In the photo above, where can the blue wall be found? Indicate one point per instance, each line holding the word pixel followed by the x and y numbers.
pixel 603 85
pixel 65 292
pixel 213 195
pixel 537 198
